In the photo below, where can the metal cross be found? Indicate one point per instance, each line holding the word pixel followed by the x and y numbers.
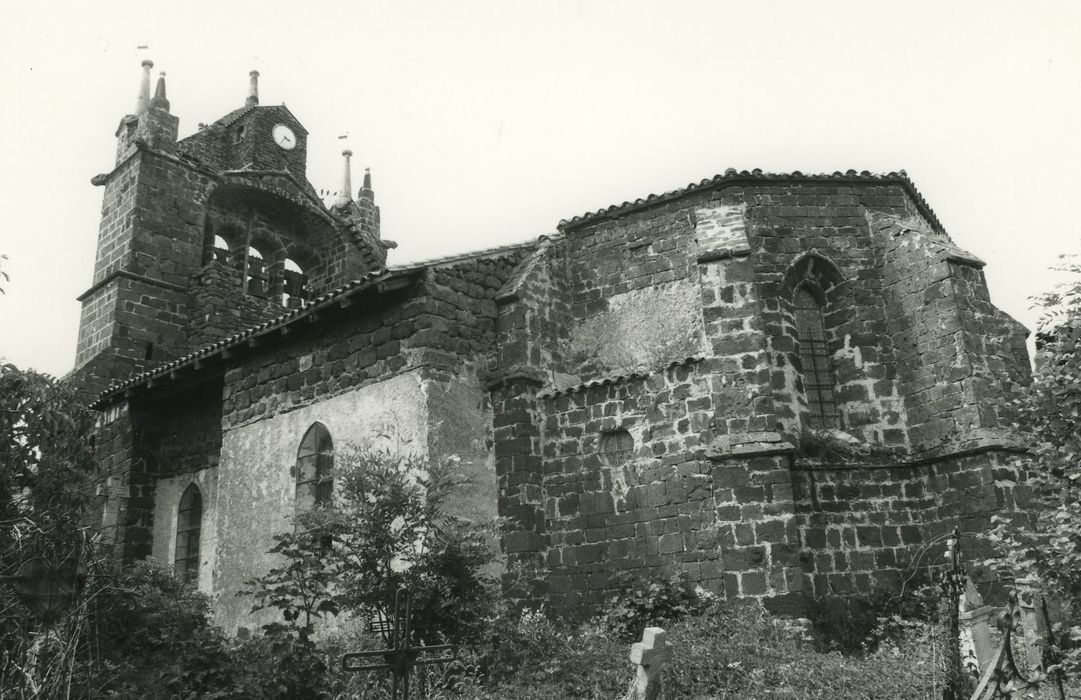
pixel 401 656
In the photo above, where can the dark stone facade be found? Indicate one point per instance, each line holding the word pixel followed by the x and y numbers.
pixel 629 392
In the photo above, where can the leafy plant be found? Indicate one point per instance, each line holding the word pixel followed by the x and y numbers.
pixel 393 530
pixel 302 587
pixel 1049 547
pixel 655 603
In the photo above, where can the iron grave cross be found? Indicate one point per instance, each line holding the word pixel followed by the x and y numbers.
pixel 401 656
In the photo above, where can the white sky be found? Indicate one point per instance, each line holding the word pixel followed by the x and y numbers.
pixel 486 123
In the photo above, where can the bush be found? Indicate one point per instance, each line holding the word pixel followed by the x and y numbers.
pixel 652 604
pixel 724 649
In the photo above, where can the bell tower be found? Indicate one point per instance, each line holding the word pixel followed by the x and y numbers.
pixel 148 246
pixel 207 236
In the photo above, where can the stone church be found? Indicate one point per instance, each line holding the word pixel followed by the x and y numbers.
pixel 639 392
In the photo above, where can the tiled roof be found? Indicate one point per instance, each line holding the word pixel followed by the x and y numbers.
pixel 731 176
pixel 551 392
pixel 311 306
pixel 465 257
pixel 259 329
pixel 235 115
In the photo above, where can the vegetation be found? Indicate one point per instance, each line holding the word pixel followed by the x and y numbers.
pixel 140 632
pixel 1050 417
pixel 386 529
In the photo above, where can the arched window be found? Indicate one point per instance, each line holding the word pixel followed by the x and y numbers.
pixel 221 250
pixel 814 355
pixel 258 283
pixel 315 462
pixel 189 525
pixel 295 285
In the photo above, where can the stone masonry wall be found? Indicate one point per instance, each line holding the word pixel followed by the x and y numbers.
pixel 187 429
pixel 219 308
pixel 995 348
pixel 960 356
pixel 441 321
pixel 533 315
pixel 789 221
pixel 633 293
pixel 149 244
pixel 361 345
pixel 709 486
pixel 868 527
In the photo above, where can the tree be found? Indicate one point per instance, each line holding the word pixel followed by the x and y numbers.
pixel 46 466
pixel 388 527
pixel 1050 415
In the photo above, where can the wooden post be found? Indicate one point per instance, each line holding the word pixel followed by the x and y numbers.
pixel 649 655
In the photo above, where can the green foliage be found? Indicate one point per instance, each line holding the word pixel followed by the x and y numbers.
pixel 1049 415
pixel 393 530
pixel 46 465
pixel 149 636
pixel 136 632
pixel 387 528
pixel 723 650
pixel 301 587
pixel 652 604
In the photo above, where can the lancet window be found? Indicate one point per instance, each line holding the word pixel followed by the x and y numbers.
pixel 315 463
pixel 189 525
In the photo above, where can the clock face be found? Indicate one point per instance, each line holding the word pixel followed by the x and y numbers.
pixel 284 137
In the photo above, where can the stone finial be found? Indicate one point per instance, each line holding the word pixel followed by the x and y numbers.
pixel 143 101
pixel 366 194
pixel 253 89
pixel 160 101
pixel 345 194
pixel 649 655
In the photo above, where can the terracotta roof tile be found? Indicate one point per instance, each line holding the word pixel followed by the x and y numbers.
pixel 732 176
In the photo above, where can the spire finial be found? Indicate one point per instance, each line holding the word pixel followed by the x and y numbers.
pixel 160 101
pixel 144 88
pixel 345 194
pixel 366 195
pixel 253 89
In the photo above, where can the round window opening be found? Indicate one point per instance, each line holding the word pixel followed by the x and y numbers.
pixel 616 447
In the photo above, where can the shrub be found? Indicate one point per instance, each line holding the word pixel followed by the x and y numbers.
pixel 724 649
pixel 649 604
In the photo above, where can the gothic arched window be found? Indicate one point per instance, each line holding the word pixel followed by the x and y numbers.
pixel 315 462
pixel 189 525
pixel 815 357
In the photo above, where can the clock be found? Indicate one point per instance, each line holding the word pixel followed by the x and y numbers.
pixel 284 137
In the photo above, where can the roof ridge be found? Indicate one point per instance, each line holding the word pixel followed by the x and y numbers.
pixel 468 255
pixel 732 175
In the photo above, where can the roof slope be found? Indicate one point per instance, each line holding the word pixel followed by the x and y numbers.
pixel 733 177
